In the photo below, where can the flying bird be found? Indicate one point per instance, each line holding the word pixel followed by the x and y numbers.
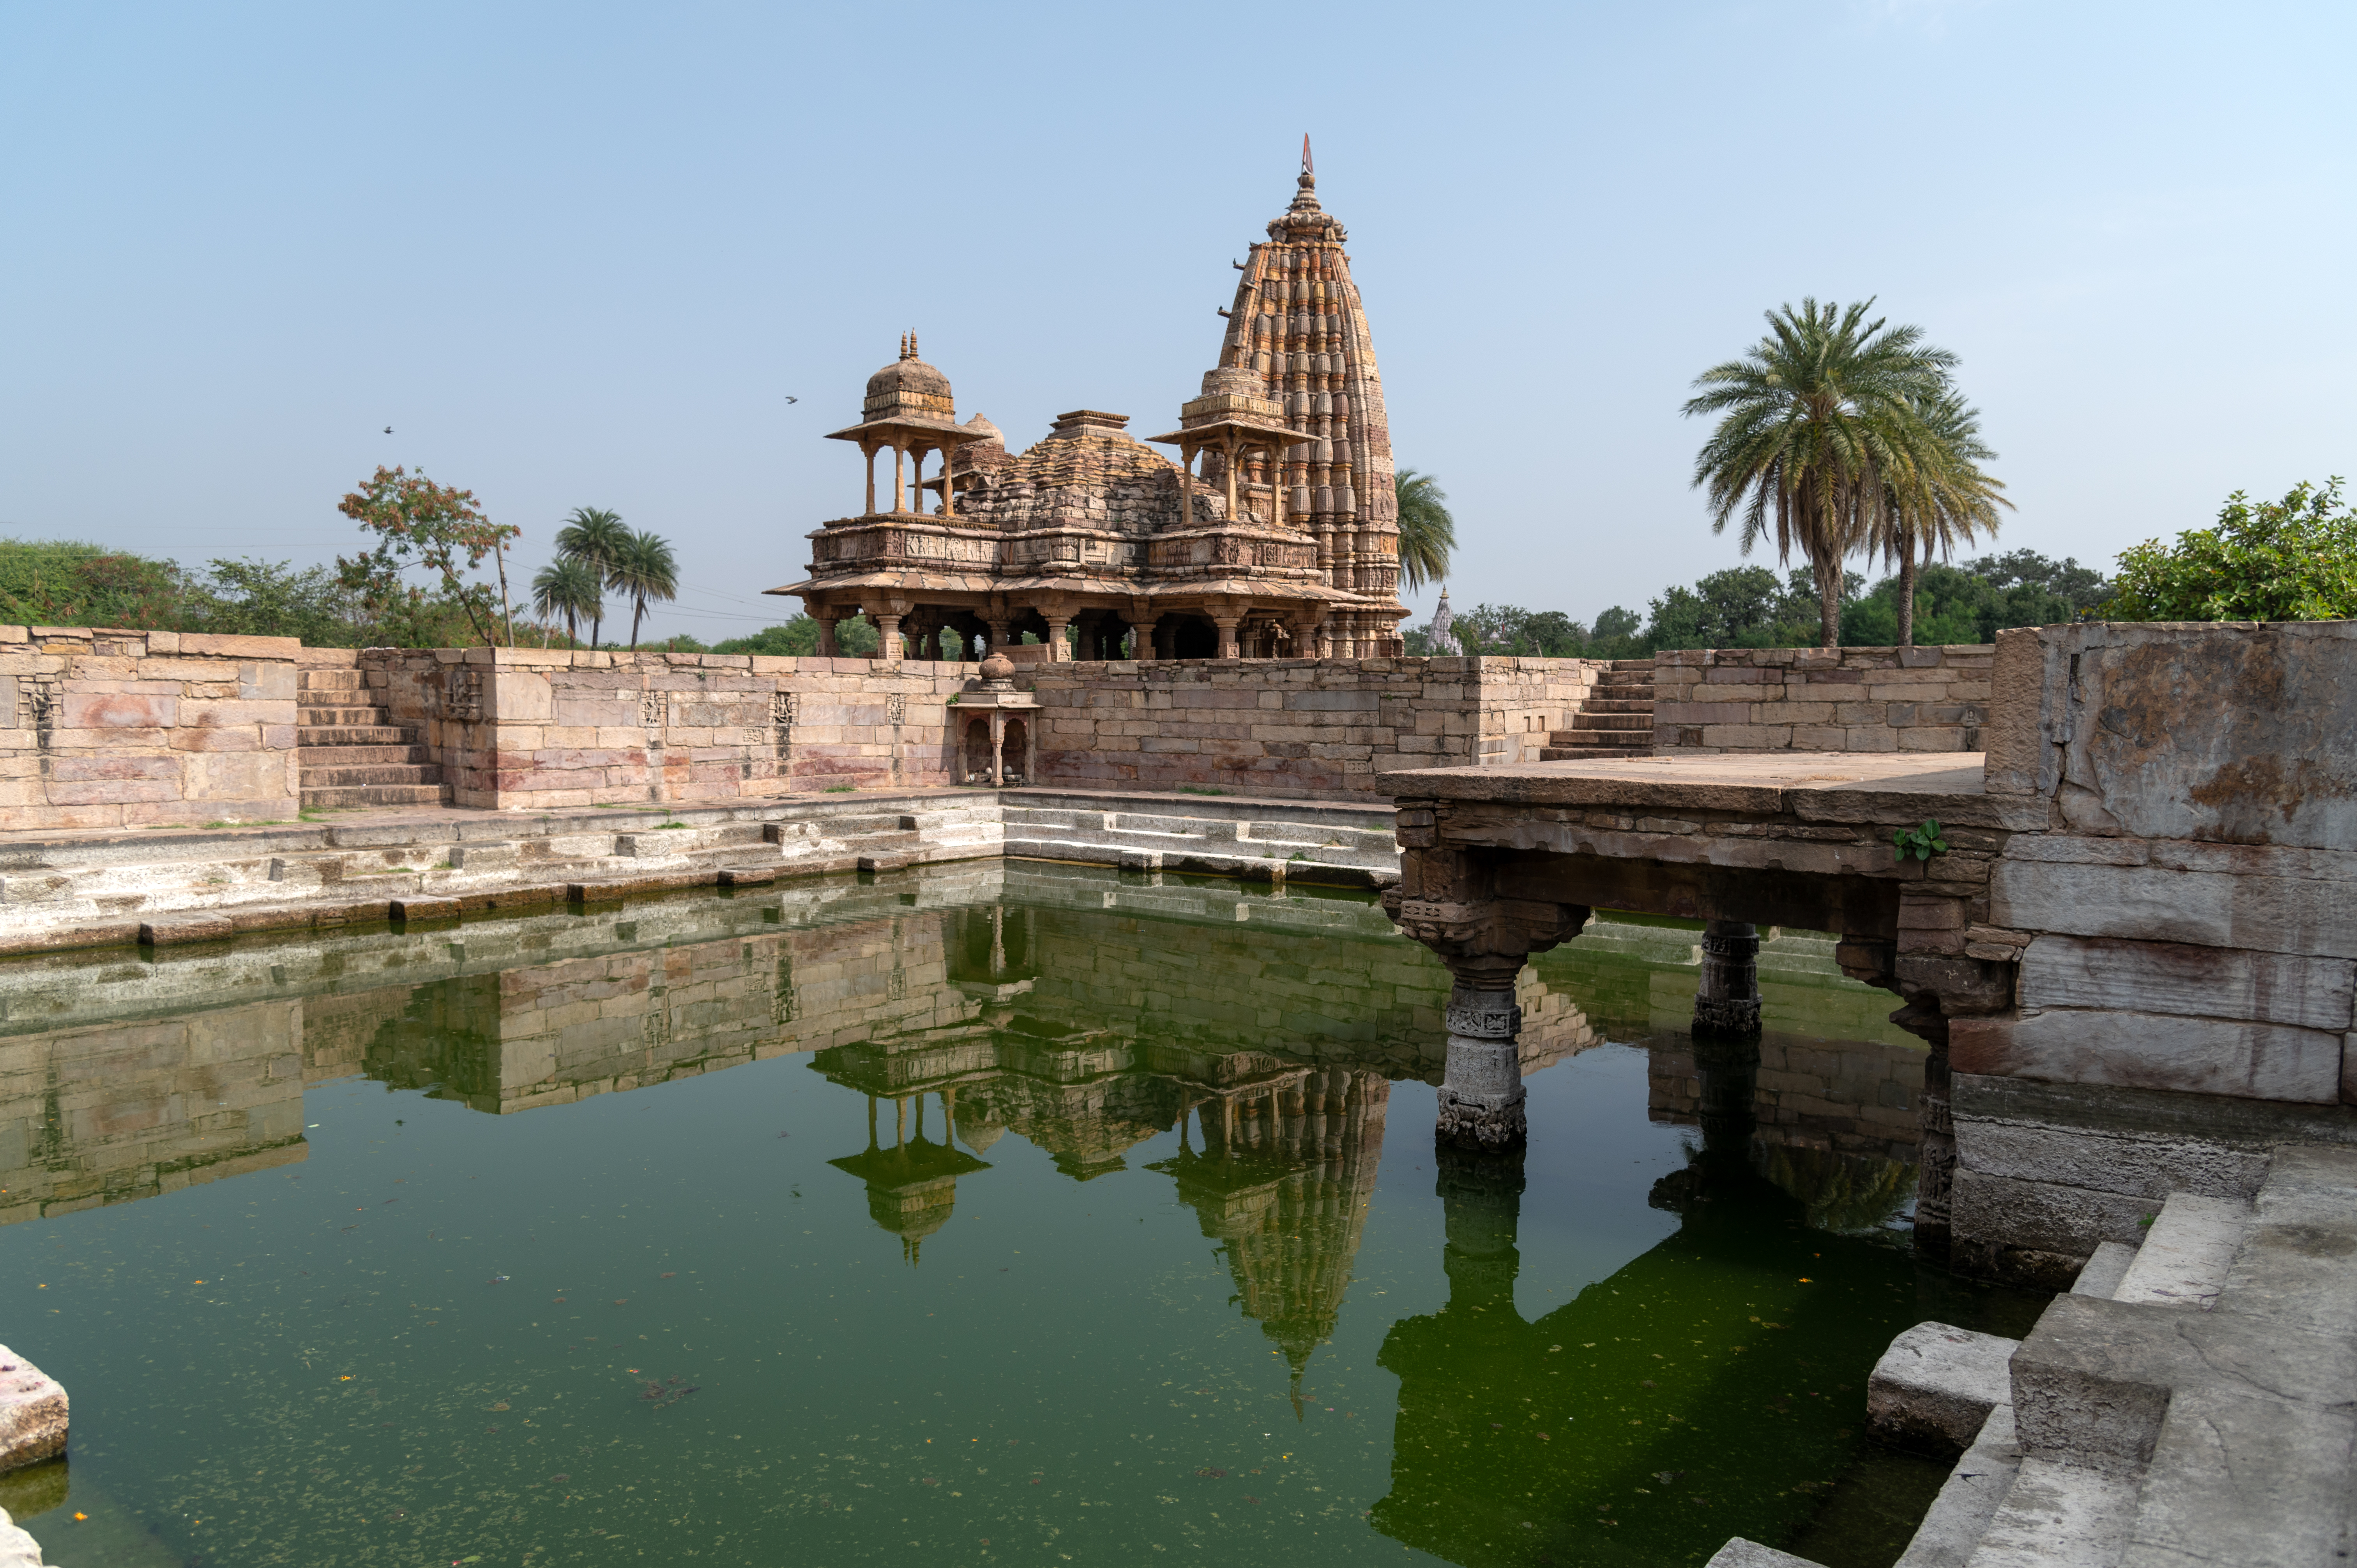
pixel 387 430
pixel 793 400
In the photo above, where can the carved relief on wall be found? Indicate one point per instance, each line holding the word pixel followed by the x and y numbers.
pixel 462 698
pixel 651 709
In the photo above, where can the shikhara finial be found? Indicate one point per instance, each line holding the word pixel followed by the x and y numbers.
pixel 912 345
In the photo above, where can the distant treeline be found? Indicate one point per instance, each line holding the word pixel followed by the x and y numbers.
pixel 1750 606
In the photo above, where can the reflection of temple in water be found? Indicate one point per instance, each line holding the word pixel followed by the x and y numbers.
pixel 912 1186
pixel 1282 1180
pixel 1277 1157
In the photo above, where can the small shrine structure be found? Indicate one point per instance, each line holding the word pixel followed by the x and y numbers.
pixel 1274 534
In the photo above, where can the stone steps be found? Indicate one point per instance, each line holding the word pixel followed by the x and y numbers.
pixel 323 735
pixel 354 795
pixel 2185 1402
pixel 191 885
pixel 350 752
pixel 1616 721
pixel 344 770
pixel 330 717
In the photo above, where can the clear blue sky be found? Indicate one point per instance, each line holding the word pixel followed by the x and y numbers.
pixel 581 254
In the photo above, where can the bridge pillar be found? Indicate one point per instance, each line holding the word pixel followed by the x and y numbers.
pixel 1727 997
pixel 1448 899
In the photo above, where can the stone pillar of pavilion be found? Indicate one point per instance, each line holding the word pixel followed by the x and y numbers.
pixel 1448 900
pixel 1726 994
pixel 909 412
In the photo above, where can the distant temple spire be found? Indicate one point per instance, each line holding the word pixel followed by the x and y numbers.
pixel 1439 639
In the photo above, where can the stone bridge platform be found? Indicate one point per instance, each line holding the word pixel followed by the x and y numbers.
pixel 2134 956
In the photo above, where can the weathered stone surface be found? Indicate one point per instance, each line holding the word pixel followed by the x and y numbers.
pixel 2298 1260
pixel 2154 1050
pixel 2186 1253
pixel 32 1414
pixel 2107 1267
pixel 1961 1514
pixel 2228 732
pixel 2271 914
pixel 2094 1379
pixel 2058 1516
pixel 2201 981
pixel 18 1547
pixel 1741 1553
pixel 1935 1386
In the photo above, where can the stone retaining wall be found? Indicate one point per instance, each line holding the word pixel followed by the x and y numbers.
pixel 121 728
pixel 548 729
pixel 1820 699
pixel 106 729
pixel 1294 726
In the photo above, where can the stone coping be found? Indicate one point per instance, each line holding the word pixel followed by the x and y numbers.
pixel 1749 782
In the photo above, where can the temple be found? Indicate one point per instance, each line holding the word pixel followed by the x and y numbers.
pixel 1275 533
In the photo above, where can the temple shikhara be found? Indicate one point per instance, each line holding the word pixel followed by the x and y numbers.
pixel 1273 535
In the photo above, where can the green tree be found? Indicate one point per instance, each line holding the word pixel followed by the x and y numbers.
pixel 1427 534
pixel 572 589
pixel 252 597
pixel 1940 498
pixel 2295 559
pixel 1813 421
pixel 798 639
pixel 647 571
pixel 596 538
pixel 419 522
pixel 2038 591
pixel 60 582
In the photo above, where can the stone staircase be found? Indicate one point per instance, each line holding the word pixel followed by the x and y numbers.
pixel 1616 721
pixel 2188 1401
pixel 352 752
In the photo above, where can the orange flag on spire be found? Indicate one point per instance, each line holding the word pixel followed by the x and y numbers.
pixel 1307 167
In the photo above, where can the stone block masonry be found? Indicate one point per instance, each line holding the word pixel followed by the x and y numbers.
pixel 1820 699
pixel 552 730
pixel 112 729
pixel 1296 727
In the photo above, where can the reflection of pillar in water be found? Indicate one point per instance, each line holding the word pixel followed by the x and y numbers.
pixel 1726 996
pixel 1729 1069
pixel 1481 1208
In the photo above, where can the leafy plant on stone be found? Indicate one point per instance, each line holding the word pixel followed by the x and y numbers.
pixel 1922 842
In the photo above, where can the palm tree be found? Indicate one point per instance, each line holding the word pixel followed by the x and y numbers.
pixel 571 589
pixel 1427 532
pixel 1814 422
pixel 1943 498
pixel 596 537
pixel 647 571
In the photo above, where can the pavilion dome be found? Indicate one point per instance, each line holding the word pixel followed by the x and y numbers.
pixel 909 386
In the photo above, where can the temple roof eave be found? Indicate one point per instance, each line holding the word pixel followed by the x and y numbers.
pixel 944 431
pixel 1188 435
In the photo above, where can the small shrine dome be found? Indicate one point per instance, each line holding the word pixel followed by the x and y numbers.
pixel 908 374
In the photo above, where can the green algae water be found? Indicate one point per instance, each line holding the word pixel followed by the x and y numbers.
pixel 995 1213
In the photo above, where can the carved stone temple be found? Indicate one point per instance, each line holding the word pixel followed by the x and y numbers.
pixel 1275 533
